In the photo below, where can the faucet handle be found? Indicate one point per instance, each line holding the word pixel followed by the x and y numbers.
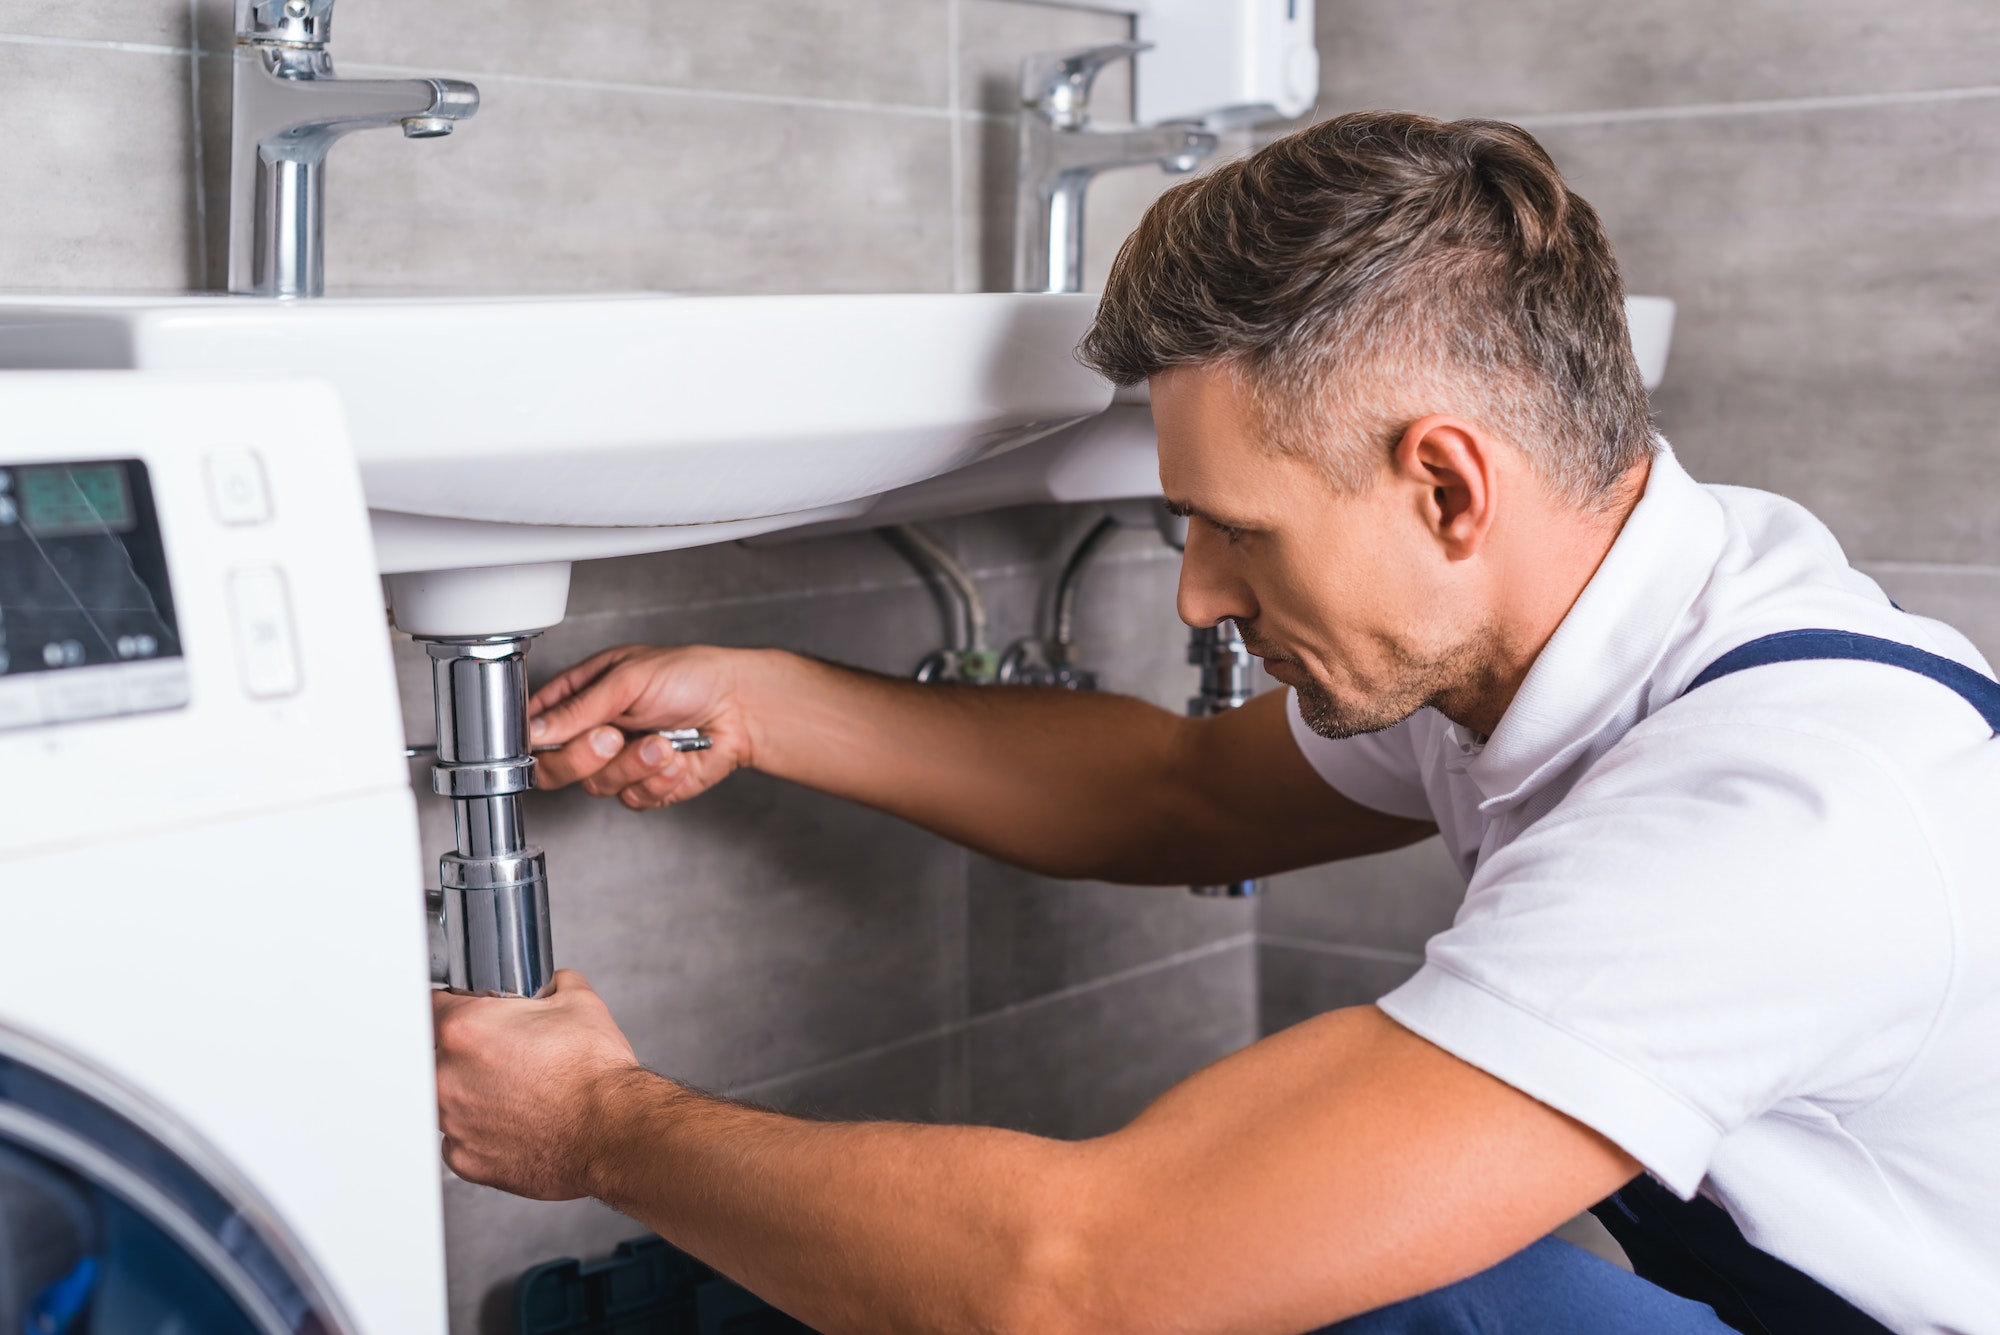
pixel 293 22
pixel 1056 85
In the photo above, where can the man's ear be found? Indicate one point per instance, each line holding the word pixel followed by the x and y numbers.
pixel 1452 465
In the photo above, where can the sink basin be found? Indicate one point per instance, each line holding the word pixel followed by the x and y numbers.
pixel 498 431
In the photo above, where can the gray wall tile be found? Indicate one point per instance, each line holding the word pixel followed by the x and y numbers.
pixel 919 1080
pixel 886 51
pixel 1085 1064
pixel 1464 58
pixel 152 22
pixel 1391 901
pixel 1297 980
pixel 1835 274
pixel 491 1237
pixel 573 188
pixel 1965 597
pixel 994 35
pixel 757 929
pixel 99 170
pixel 1031 935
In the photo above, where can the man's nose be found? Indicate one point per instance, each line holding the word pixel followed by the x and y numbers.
pixel 1209 590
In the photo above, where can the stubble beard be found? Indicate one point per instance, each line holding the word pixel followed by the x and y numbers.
pixel 1412 682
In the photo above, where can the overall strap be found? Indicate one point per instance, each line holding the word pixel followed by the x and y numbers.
pixel 1797 646
pixel 1693 1248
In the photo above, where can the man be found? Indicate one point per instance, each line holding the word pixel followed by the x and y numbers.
pixel 1730 947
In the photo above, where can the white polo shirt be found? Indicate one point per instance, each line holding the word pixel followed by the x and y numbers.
pixel 1752 935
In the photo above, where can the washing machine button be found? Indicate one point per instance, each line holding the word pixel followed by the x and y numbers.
pixel 265 653
pixel 79 693
pixel 20 703
pixel 142 689
pixel 236 489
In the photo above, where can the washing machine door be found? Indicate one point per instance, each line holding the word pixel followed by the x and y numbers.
pixel 116 1220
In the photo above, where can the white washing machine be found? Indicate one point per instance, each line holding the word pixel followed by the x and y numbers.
pixel 216 1098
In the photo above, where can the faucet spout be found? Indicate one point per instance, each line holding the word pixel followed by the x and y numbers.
pixel 1056 169
pixel 289 110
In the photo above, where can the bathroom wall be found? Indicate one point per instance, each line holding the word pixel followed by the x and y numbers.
pixel 762 940
pixel 1817 186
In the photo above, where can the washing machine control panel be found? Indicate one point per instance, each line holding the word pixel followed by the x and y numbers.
pixel 191 625
pixel 87 625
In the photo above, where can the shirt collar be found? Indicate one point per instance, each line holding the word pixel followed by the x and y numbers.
pixel 1611 641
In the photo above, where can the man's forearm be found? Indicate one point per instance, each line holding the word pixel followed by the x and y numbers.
pixel 851 1227
pixel 1063 782
pixel 1067 783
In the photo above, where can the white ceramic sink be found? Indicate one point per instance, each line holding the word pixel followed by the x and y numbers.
pixel 509 430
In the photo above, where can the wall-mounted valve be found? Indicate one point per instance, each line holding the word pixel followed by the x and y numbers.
pixel 965 656
pixel 1227 670
pixel 1050 660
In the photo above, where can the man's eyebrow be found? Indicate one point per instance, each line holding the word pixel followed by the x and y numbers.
pixel 1187 510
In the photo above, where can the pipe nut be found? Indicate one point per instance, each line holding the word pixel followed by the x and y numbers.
pixel 491 778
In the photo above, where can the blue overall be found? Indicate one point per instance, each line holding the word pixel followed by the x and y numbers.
pixel 1696 1273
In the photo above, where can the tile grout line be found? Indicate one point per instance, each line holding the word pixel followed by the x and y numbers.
pixel 1896 567
pixel 953 45
pixel 799 101
pixel 1189 956
pixel 1754 107
pixel 98 44
pixel 200 185
pixel 1338 949
pixel 742 96
pixel 1532 120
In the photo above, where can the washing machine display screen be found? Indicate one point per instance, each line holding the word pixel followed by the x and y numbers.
pixel 87 625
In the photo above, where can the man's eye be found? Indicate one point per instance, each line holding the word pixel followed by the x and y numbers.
pixel 1232 536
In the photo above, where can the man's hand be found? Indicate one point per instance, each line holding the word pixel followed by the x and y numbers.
pixel 522 1084
pixel 1325 1171
pixel 589 709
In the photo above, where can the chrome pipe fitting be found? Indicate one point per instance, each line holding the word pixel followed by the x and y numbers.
pixel 490 915
pixel 494 920
pixel 1226 683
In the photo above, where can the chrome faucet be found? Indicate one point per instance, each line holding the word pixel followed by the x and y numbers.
pixel 289 109
pixel 1060 153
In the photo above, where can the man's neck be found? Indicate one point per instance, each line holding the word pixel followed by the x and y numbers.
pixel 1545 577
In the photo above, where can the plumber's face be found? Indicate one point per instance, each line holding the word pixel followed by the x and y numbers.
pixel 1343 594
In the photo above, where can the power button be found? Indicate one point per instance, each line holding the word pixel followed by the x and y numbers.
pixel 236 489
pixel 266 650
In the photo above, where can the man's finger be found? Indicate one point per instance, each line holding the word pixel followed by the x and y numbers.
pixel 640 759
pixel 574 678
pixel 661 788
pixel 579 758
pixel 603 701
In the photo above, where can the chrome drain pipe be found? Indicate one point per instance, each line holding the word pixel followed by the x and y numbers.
pixel 1226 677
pixel 490 914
